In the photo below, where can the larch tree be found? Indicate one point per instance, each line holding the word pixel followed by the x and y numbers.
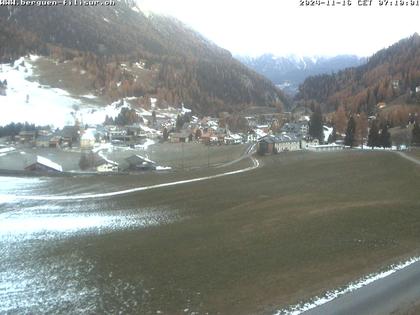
pixel 340 120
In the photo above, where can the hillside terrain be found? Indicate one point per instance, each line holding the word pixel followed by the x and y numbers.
pixel 129 53
pixel 390 76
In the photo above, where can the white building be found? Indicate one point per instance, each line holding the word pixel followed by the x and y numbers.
pixel 87 140
pixel 107 167
pixel 325 147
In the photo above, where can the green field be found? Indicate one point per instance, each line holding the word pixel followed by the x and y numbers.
pixel 253 242
pixel 185 156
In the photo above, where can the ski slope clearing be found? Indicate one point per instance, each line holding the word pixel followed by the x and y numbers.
pixel 27 100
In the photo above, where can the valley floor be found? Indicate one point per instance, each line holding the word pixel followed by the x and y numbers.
pixel 251 243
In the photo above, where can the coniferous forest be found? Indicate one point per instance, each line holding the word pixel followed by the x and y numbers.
pixel 390 76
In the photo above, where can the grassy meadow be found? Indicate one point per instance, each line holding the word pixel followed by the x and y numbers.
pixel 255 242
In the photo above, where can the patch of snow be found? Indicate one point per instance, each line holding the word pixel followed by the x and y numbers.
pixel 106 20
pixel 89 96
pixel 135 9
pixel 33 57
pixel 139 65
pixel 99 150
pixel 45 106
pixel 145 145
pixel 153 102
pixel 163 168
pixel 7 150
pixel 33 224
pixel 96 116
pixel 327 132
pixel 260 133
pixel 185 110
pixel 143 112
pixel 49 163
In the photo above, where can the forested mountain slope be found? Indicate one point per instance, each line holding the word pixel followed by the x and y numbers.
pixel 390 75
pixel 130 53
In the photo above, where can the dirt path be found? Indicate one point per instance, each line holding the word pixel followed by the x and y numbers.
pixel 132 190
pixel 407 157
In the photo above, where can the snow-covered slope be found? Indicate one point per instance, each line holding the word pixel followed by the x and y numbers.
pixel 27 100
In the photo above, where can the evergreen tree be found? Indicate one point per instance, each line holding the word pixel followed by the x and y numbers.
pixel 179 123
pixel 316 128
pixel 165 134
pixel 385 137
pixel 333 136
pixel 416 134
pixel 154 118
pixel 350 132
pixel 198 134
pixel 373 137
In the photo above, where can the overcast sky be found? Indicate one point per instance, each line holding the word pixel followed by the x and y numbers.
pixel 282 27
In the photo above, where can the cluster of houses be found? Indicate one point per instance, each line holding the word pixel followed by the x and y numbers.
pixel 69 136
pixel 294 136
pixel 207 131
pixel 174 126
pixel 133 163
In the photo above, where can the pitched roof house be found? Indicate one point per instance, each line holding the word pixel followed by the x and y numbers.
pixel 42 164
pixel 139 163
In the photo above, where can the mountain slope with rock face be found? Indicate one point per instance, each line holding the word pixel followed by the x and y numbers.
pixel 129 53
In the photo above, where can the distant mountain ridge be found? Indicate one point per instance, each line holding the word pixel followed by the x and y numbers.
pixel 129 53
pixel 288 72
pixel 390 75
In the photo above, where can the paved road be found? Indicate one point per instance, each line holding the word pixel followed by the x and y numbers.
pixel 381 297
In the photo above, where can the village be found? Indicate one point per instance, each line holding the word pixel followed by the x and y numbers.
pixel 84 148
pixel 121 144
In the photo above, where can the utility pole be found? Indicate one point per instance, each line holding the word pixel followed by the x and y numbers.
pixel 208 155
pixel 182 145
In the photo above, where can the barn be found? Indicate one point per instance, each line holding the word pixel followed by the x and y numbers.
pixel 42 164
